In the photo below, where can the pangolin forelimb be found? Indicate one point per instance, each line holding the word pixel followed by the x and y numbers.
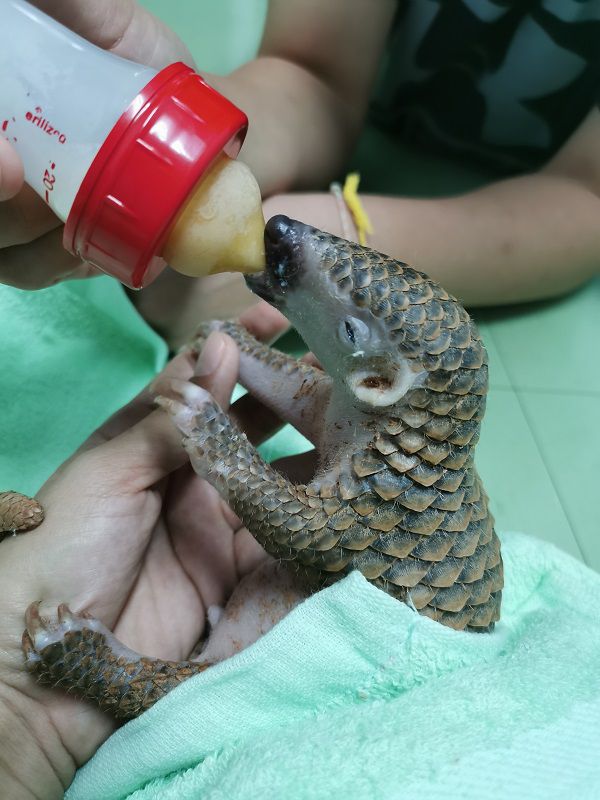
pixel 295 391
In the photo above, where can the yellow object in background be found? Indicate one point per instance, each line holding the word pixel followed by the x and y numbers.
pixel 356 208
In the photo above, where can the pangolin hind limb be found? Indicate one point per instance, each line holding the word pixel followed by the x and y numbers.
pixel 18 513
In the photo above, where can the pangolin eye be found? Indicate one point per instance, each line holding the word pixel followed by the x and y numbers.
pixel 353 332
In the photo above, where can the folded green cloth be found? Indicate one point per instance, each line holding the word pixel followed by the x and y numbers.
pixel 69 357
pixel 354 696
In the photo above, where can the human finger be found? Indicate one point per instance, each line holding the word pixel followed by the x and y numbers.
pixel 25 217
pixel 264 322
pixel 217 367
pixel 123 26
pixel 136 459
pixel 11 171
pixel 182 367
pixel 312 361
pixel 42 263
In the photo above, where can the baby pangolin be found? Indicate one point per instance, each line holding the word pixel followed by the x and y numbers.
pixel 395 415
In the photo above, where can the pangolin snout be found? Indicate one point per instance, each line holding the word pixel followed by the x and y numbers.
pixel 277 228
pixel 284 259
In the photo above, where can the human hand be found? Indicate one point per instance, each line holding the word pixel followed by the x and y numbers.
pixel 122 539
pixel 174 304
pixel 31 251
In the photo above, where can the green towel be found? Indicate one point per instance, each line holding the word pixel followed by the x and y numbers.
pixel 69 357
pixel 355 696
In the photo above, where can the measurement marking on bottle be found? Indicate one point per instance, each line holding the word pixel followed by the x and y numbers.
pixel 49 180
pixel 4 128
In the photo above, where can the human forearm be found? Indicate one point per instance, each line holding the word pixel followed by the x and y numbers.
pixel 307 92
pixel 522 239
pixel 300 130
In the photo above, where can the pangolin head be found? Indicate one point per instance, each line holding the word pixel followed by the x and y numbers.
pixel 377 325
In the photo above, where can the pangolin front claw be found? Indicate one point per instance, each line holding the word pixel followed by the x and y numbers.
pixel 189 405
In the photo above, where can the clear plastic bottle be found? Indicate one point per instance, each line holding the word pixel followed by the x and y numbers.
pixel 120 151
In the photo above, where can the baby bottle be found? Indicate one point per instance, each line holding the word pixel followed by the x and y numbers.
pixel 138 163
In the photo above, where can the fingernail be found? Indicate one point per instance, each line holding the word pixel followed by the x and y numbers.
pixel 211 355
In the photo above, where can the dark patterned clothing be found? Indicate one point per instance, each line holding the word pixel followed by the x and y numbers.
pixel 505 81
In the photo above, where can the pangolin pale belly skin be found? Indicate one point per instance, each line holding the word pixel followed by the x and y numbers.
pixel 394 416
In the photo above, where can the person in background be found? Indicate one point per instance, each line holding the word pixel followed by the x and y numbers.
pixel 513 86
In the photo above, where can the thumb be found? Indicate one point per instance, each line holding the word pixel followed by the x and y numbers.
pixel 151 449
pixel 136 459
pixel 217 368
pixel 264 322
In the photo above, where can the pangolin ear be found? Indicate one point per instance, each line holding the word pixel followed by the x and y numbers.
pixel 381 385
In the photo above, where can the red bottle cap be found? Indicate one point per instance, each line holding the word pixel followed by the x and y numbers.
pixel 150 163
